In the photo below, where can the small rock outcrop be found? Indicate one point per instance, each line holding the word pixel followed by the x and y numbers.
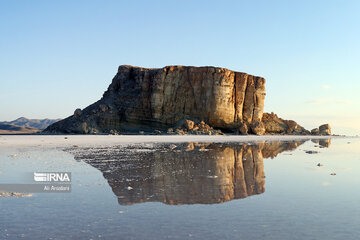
pixel 190 127
pixel 275 125
pixel 315 131
pixel 77 113
pixel 323 130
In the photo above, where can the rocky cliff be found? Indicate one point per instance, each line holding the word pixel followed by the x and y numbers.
pixel 143 99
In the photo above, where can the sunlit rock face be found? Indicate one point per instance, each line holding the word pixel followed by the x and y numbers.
pixel 188 173
pixel 276 125
pixel 143 98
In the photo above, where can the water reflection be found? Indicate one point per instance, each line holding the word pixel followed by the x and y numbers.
pixel 322 142
pixel 186 173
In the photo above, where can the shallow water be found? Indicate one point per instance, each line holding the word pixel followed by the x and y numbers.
pixel 269 190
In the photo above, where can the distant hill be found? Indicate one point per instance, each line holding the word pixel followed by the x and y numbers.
pixel 32 123
pixel 6 128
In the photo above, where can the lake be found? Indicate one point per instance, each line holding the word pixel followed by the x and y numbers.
pixel 308 189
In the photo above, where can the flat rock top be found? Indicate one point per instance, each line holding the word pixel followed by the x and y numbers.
pixel 176 67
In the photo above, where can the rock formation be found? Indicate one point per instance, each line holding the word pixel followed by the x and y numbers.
pixel 186 173
pixel 146 99
pixel 323 143
pixel 324 130
pixel 190 127
pixel 275 125
pixel 143 99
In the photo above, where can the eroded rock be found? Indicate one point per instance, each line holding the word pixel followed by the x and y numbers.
pixel 275 125
pixel 325 129
pixel 77 112
pixel 190 127
pixel 315 131
pixel 146 99
pixel 258 128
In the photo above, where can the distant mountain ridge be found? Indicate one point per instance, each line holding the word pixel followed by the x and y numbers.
pixel 32 123
pixel 6 128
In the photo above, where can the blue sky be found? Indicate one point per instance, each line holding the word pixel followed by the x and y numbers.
pixel 56 56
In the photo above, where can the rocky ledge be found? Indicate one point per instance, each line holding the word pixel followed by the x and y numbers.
pixel 214 100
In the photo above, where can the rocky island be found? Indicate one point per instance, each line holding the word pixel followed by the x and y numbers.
pixel 181 100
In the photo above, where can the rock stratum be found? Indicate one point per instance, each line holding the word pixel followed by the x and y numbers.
pixel 147 99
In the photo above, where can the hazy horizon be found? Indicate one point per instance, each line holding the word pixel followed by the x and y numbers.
pixel 57 57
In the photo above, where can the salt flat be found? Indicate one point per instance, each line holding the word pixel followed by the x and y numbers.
pixel 7 141
pixel 212 191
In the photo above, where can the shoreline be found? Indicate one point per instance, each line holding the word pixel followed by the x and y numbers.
pixel 7 141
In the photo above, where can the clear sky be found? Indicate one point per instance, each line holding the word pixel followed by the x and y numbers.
pixel 56 56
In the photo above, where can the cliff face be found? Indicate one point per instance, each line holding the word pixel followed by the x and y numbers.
pixel 142 98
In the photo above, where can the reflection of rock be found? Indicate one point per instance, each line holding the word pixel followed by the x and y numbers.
pixel 322 142
pixel 325 142
pixel 272 149
pixel 184 174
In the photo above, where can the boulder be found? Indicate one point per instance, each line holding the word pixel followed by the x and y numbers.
pixel 325 130
pixel 275 125
pixel 258 128
pixel 77 112
pixel 190 127
pixel 243 129
pixel 189 124
pixel 325 142
pixel 315 131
